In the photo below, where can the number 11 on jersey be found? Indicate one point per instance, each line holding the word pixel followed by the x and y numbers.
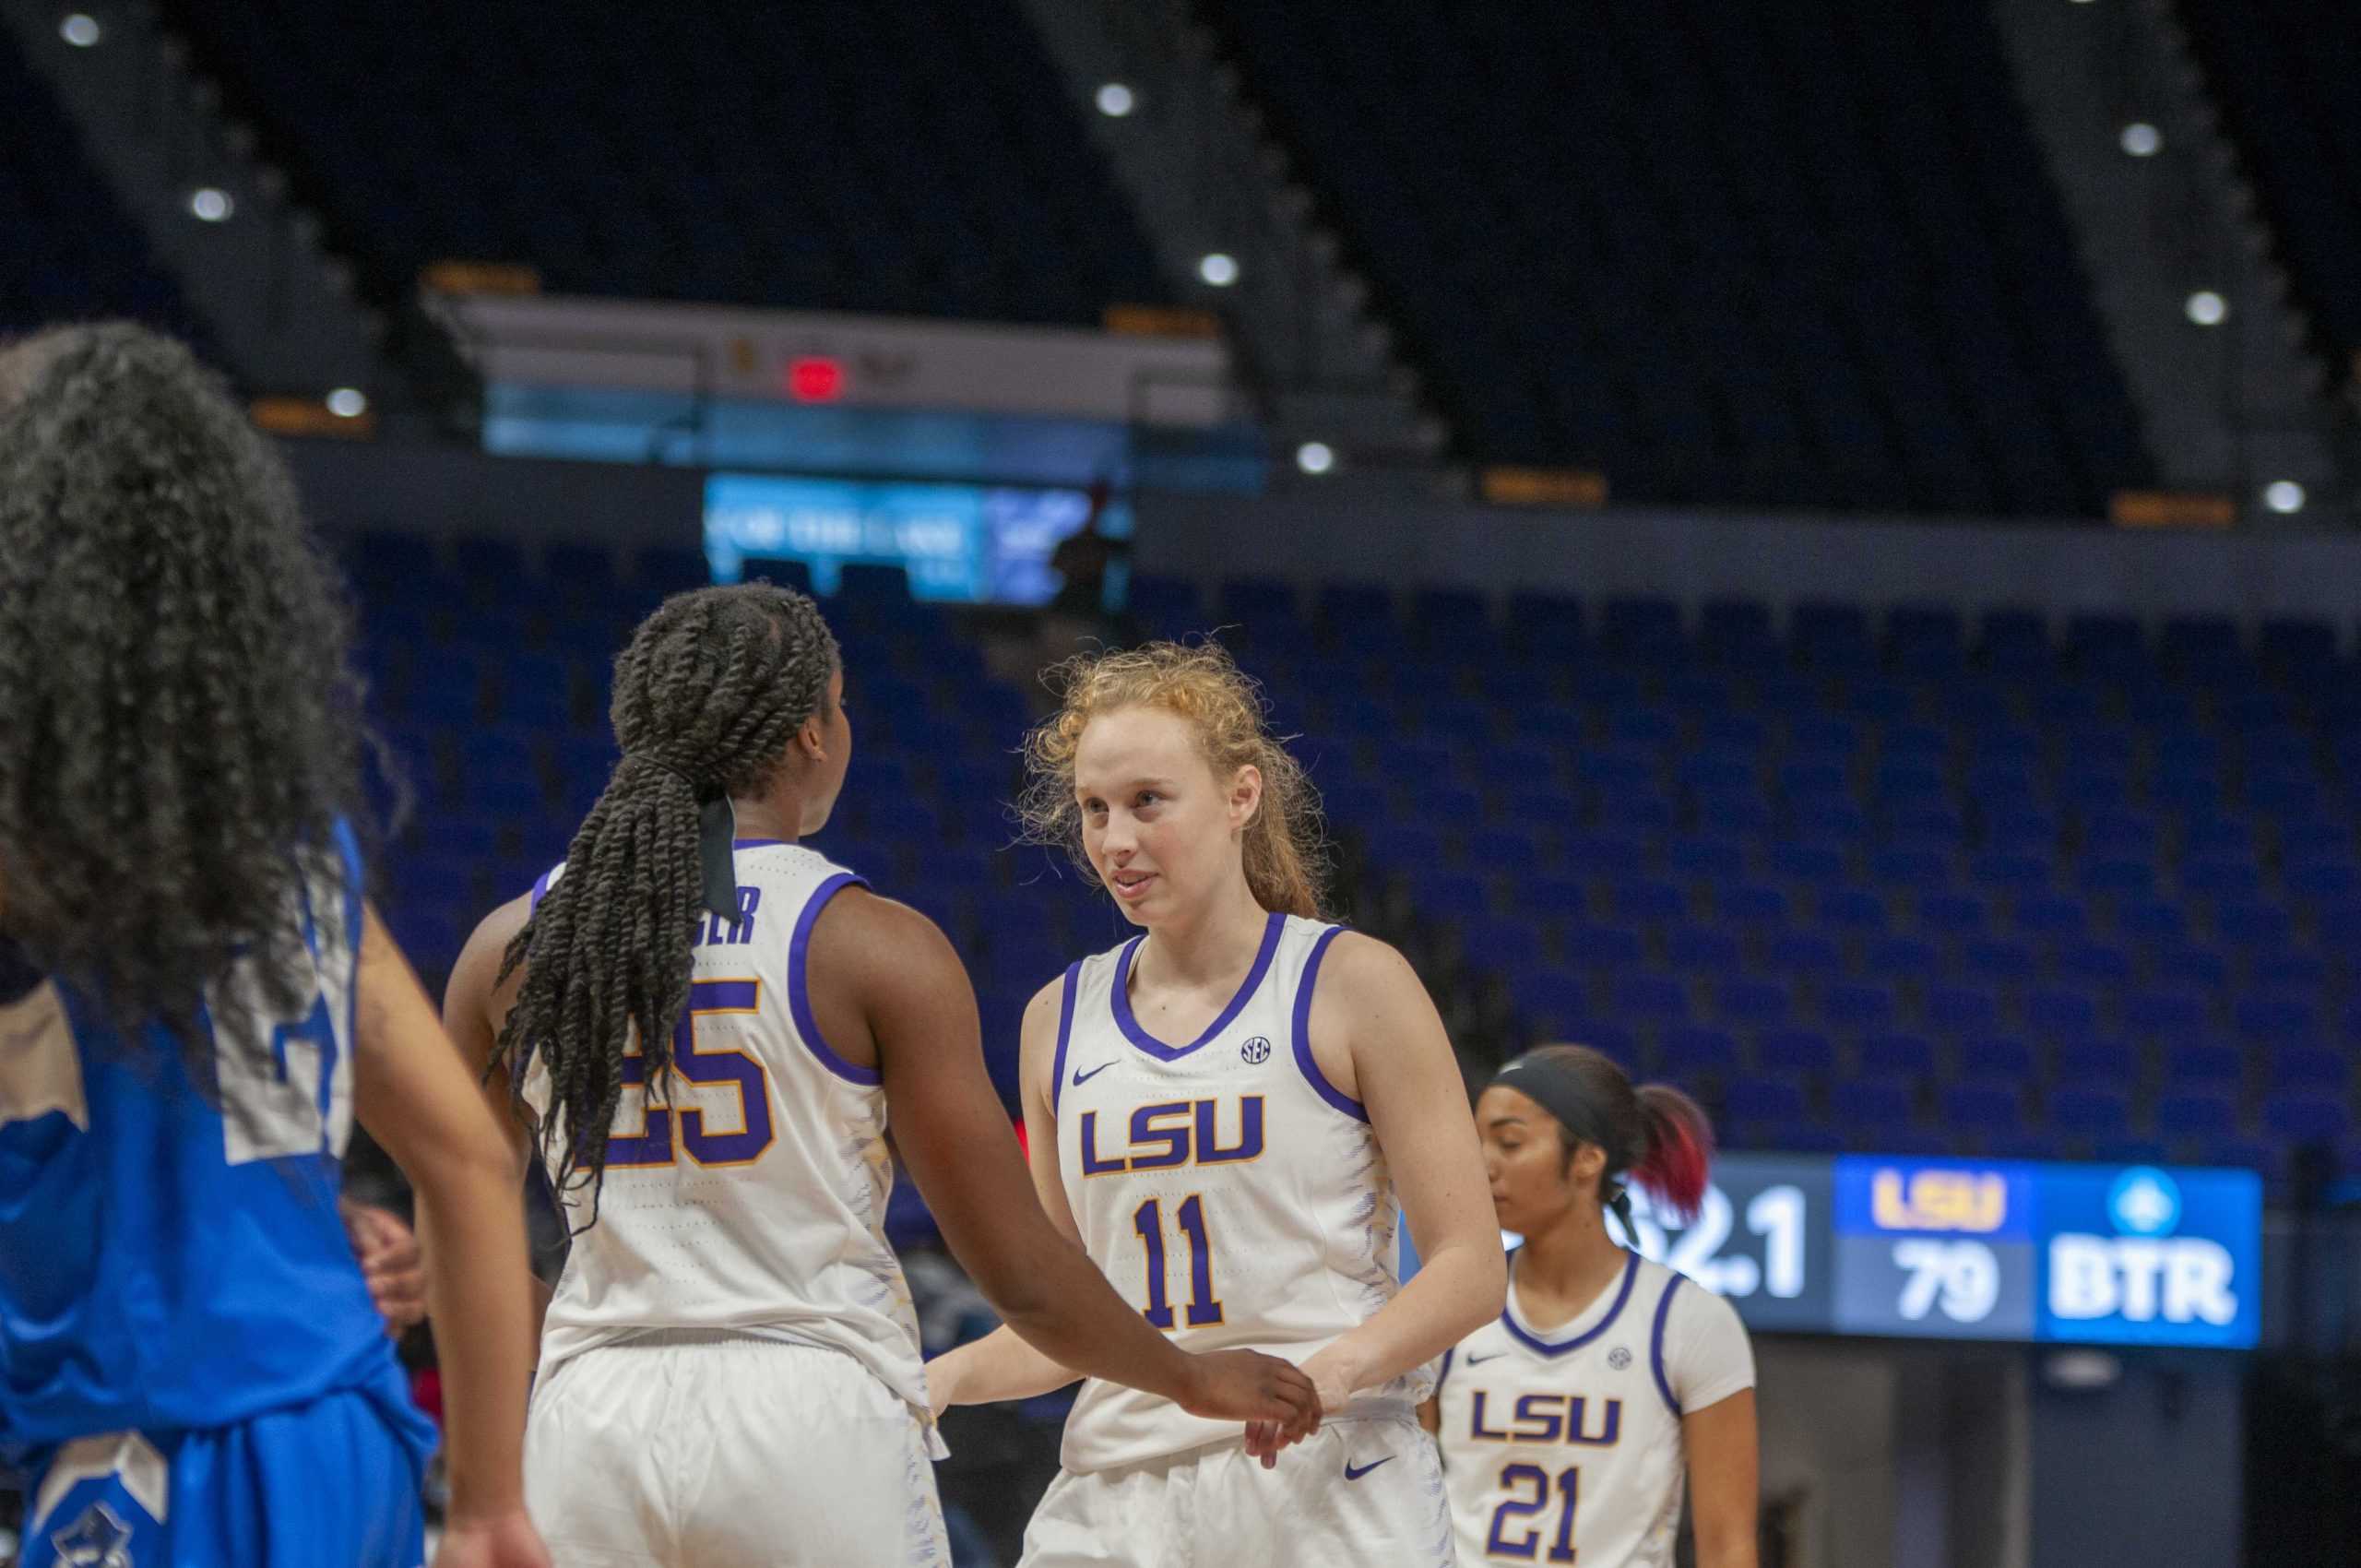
pixel 1204 1308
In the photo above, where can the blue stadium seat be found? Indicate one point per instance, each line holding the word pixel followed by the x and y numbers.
pixel 1603 947
pixel 1701 949
pixel 1757 1100
pixel 1907 1056
pixel 1751 1003
pixel 1649 998
pixel 1857 1007
pixel 2195 1064
pixel 1686 1054
pixel 1995 1059
pixel 2059 1011
pixel 1961 1010
pixel 1981 1108
pixel 2193 1116
pixel 1803 955
pixel 1789 1052
pixel 1898 960
pixel 2089 1112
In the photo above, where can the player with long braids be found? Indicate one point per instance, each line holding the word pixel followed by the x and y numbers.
pixel 713 1026
pixel 1570 1423
pixel 196 1000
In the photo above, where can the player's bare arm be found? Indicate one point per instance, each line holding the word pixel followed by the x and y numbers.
pixel 1376 1034
pixel 475 1002
pixel 897 993
pixel 1001 1365
pixel 413 1093
pixel 1723 1482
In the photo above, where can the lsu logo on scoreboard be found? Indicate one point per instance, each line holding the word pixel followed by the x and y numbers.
pixel 1973 1202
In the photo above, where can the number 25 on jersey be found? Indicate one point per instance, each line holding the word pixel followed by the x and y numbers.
pixel 679 1126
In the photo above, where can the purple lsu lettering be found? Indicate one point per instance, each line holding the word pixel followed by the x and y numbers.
pixel 1550 1417
pixel 718 932
pixel 1176 1133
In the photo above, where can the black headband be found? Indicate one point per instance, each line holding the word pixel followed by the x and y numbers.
pixel 1558 1092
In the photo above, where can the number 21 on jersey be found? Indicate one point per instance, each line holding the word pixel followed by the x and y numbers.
pixel 1519 1479
pixel 679 1126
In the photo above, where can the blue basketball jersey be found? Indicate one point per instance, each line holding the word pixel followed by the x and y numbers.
pixel 170 1254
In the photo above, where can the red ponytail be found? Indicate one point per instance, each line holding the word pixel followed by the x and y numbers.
pixel 1680 1148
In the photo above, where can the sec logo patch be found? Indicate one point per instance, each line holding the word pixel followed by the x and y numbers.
pixel 1256 1050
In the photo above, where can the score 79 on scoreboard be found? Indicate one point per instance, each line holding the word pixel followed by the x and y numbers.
pixel 2011 1250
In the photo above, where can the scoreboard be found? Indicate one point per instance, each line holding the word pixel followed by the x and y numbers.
pixel 1860 1244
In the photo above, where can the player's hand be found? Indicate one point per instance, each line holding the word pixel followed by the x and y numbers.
pixel 943 1382
pixel 506 1541
pixel 1332 1372
pixel 1332 1378
pixel 1273 1396
pixel 389 1263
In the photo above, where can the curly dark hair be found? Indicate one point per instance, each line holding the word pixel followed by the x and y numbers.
pixel 708 695
pixel 177 728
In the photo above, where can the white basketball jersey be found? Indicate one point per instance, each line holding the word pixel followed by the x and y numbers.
pixel 1223 1186
pixel 755 1201
pixel 1569 1442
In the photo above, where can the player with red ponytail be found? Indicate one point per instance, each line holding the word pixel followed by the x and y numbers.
pixel 1608 1384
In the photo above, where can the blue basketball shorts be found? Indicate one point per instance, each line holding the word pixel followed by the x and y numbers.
pixel 336 1481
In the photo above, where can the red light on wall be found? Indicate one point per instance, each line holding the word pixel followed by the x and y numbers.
pixel 815 378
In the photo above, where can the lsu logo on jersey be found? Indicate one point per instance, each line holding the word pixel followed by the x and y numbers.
pixel 1172 1134
pixel 1550 1417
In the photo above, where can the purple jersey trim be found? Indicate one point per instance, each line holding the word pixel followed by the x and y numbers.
pixel 755 843
pixel 1560 1347
pixel 1303 1058
pixel 798 999
pixel 1065 1034
pixel 541 889
pixel 1655 1347
pixel 1157 1048
pixel 1444 1371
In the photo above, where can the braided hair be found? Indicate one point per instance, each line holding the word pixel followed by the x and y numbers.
pixel 708 696
pixel 177 729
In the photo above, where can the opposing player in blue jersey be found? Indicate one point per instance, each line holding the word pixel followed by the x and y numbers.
pixel 196 1000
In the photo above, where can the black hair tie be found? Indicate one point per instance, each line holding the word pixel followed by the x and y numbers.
pixel 717 838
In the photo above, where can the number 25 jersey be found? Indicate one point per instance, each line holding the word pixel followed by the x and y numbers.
pixel 750 1195
pixel 1225 1187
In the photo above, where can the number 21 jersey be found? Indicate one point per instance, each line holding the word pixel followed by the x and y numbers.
pixel 1569 1441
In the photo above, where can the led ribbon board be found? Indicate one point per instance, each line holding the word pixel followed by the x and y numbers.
pixel 1947 1249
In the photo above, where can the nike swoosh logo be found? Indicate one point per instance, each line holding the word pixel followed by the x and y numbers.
pixel 1480 1360
pixel 1081 1077
pixel 1353 1474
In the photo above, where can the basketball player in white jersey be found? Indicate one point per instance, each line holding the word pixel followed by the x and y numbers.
pixel 707 1025
pixel 1569 1423
pixel 1223 1110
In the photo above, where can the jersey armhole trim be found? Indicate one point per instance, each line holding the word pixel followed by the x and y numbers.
pixel 1304 1061
pixel 1444 1371
pixel 1065 1034
pixel 798 999
pixel 1656 1346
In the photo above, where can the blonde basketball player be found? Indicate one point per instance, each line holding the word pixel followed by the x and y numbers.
pixel 710 1024
pixel 1223 1110
pixel 1570 1422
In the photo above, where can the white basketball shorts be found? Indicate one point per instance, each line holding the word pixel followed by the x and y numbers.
pixel 711 1451
pixel 1361 1492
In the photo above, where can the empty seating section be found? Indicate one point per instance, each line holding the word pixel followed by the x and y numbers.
pixel 1900 881
pixel 918 159
pixel 2287 75
pixel 1897 883
pixel 1803 254
pixel 71 254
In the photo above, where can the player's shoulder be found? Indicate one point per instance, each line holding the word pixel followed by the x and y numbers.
pixel 1687 1304
pixel 1353 962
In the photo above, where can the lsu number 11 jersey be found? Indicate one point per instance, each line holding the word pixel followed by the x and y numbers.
pixel 1566 1446
pixel 1225 1187
pixel 751 1198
